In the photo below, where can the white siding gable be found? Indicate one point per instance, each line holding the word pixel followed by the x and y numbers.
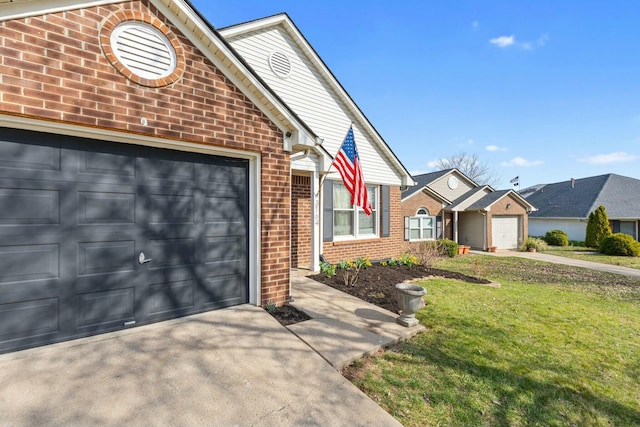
pixel 441 186
pixel 311 97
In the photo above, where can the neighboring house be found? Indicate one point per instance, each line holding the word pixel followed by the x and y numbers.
pixel 566 205
pixel 448 204
pixel 147 171
pixel 323 220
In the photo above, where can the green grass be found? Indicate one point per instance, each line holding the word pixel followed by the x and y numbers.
pixel 551 347
pixel 590 254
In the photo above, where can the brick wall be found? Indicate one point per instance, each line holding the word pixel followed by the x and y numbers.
pixel 53 67
pixel 301 221
pixel 380 248
pixel 422 200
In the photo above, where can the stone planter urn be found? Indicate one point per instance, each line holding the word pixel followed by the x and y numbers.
pixel 410 300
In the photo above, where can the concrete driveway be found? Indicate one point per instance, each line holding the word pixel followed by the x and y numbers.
pixel 230 367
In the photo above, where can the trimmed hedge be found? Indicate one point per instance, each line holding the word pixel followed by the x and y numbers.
pixel 556 238
pixel 448 247
pixel 619 244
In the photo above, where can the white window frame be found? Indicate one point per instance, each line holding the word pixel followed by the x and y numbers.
pixel 422 215
pixel 356 211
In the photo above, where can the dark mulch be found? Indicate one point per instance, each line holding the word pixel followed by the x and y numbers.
pixel 288 315
pixel 376 284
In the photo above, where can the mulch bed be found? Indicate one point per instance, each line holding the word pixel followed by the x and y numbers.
pixel 376 284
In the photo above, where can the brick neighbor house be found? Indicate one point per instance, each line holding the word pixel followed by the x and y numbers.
pixel 148 172
pixel 448 204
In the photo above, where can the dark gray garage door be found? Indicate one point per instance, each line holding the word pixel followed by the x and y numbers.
pixel 98 236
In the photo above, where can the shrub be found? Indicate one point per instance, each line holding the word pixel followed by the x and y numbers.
pixel 533 243
pixel 327 268
pixel 351 269
pixel 619 244
pixel 448 247
pixel 578 243
pixel 405 259
pixel 556 238
pixel 426 252
pixel 597 227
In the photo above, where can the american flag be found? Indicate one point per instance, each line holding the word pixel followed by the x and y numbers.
pixel 347 162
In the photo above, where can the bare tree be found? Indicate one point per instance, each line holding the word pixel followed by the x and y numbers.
pixel 472 166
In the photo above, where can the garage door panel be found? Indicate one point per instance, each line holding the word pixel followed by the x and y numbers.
pixel 28 318
pixel 106 207
pixel 29 206
pixel 25 161
pixel 105 165
pixel 505 231
pixel 104 309
pixel 221 209
pixel 106 257
pixel 169 209
pixel 225 248
pixel 158 169
pixel 171 252
pixel 221 291
pixel 171 297
pixel 21 263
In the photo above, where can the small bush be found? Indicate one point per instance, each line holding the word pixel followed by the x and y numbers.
pixel 533 243
pixel 351 269
pixel 556 238
pixel 577 243
pixel 328 269
pixel 619 244
pixel 426 252
pixel 448 247
pixel 597 227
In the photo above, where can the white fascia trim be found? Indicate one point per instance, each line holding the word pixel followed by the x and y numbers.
pixel 406 178
pixel 556 218
pixel 16 10
pixel 236 70
pixel 255 285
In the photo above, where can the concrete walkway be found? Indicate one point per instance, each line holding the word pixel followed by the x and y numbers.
pixel 625 271
pixel 231 367
pixel 343 328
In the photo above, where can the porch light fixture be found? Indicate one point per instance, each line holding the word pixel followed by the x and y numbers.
pixel 508 205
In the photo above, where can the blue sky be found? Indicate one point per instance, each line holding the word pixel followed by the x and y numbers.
pixel 543 90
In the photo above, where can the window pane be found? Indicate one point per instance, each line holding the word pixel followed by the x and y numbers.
pixel 341 197
pixel 414 222
pixel 372 195
pixel 427 233
pixel 343 223
pixel 414 234
pixel 423 211
pixel 366 224
pixel 427 222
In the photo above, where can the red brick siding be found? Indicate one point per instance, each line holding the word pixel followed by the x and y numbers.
pixel 422 200
pixel 52 67
pixel 380 248
pixel 301 221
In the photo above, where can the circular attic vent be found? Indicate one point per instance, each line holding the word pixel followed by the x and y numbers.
pixel 144 50
pixel 280 64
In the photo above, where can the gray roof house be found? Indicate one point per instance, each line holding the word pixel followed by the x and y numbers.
pixel 566 205
pixel 449 204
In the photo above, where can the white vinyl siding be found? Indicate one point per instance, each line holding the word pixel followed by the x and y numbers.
pixel 441 187
pixel 312 99
pixel 575 228
pixel 471 229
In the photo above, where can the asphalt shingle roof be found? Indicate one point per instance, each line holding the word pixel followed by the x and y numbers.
pixel 620 195
pixel 488 200
pixel 423 180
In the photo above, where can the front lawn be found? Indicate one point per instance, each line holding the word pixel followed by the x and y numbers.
pixel 553 346
pixel 590 254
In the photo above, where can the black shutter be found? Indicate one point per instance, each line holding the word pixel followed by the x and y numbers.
pixel 616 226
pixel 327 211
pixel 386 211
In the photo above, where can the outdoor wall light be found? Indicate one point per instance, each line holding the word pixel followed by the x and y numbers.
pixel 508 205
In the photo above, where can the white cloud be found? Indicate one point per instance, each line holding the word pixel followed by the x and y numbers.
pixel 601 159
pixel 470 141
pixel 521 161
pixel 506 41
pixel 503 41
pixel 475 25
pixel 432 163
pixel 495 148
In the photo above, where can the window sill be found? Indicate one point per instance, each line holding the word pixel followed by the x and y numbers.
pixel 356 241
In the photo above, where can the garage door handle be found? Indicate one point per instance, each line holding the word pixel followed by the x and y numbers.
pixel 142 259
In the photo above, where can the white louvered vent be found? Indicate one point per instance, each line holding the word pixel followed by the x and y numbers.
pixel 280 64
pixel 144 50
